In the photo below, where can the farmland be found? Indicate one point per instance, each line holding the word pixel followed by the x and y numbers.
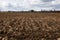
pixel 29 26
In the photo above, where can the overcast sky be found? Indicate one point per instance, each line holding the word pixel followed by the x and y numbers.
pixel 24 5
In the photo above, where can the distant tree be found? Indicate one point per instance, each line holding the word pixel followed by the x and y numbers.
pixel 32 10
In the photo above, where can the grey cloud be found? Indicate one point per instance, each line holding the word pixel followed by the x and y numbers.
pixel 17 8
pixel 47 0
pixel 56 6
pixel 22 5
pixel 41 5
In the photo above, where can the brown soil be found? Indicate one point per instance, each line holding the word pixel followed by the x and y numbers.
pixel 29 26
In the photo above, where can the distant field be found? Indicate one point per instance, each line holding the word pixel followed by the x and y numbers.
pixel 29 26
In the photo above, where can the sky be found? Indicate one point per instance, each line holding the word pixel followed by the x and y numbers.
pixel 25 5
